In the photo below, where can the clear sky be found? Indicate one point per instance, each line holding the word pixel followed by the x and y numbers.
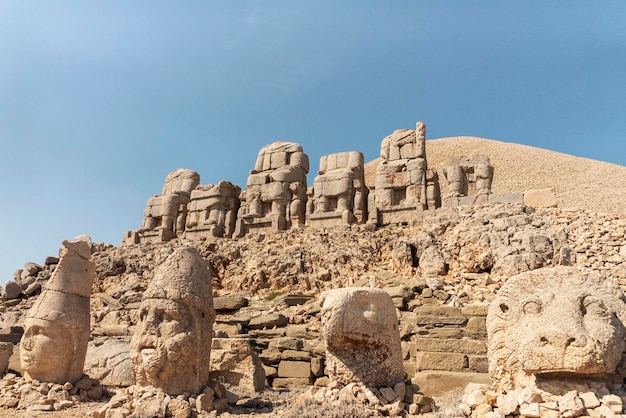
pixel 99 101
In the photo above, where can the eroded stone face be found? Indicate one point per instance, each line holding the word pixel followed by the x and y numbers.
pixel 555 322
pixel 171 348
pixel 56 329
pixel 360 330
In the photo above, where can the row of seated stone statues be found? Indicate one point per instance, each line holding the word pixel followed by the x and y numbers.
pixel 277 197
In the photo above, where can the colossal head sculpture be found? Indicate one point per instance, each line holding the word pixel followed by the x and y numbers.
pixel 360 330
pixel 171 347
pixel 562 323
pixel 56 329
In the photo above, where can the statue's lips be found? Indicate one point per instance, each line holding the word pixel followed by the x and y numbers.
pixel 26 357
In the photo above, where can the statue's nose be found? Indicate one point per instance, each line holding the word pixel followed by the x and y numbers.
pixel 561 337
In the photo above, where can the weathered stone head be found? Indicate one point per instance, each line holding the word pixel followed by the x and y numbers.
pixel 562 323
pixel 360 330
pixel 171 348
pixel 56 329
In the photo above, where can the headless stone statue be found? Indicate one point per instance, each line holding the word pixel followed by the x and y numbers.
pixel 172 345
pixel 56 329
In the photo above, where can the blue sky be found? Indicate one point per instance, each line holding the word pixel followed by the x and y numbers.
pixel 99 101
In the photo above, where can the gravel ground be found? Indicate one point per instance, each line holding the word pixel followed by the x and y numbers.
pixel 580 183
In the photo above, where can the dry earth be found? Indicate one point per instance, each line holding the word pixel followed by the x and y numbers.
pixel 580 183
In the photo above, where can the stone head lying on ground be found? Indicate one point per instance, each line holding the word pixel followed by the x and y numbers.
pixel 561 324
pixel 56 329
pixel 360 330
pixel 171 348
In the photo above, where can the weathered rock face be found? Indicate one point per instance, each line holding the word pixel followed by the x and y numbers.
pixel 555 323
pixel 275 196
pixel 164 216
pixel 170 350
pixel 360 331
pixel 56 333
pixel 234 361
pixel 339 191
pixel 404 186
pixel 469 181
pixel 213 210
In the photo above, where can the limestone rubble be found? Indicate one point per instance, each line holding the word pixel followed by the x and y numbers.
pixel 441 268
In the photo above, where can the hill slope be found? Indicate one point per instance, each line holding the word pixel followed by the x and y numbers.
pixel 579 182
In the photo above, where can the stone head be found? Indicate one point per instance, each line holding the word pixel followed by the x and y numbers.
pixel 360 330
pixel 555 322
pixel 56 328
pixel 171 347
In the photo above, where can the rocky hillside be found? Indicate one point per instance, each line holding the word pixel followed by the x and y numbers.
pixel 579 182
pixel 440 273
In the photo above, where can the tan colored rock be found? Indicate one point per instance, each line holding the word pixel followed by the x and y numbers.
pixel 555 322
pixel 6 350
pixel 212 210
pixel 56 329
pixel 165 214
pixel 234 361
pixel 109 362
pixel 540 198
pixel 339 191
pixel 169 348
pixel 275 196
pixel 288 368
pixel 469 180
pixel 402 179
pixel 360 330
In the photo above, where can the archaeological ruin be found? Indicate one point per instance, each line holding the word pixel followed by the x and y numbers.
pixel 56 328
pixel 402 287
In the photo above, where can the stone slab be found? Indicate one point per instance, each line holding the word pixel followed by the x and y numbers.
pixel 437 383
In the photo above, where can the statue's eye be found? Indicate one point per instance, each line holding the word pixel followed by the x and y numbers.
pixel 165 317
pixel 532 307
pixel 593 306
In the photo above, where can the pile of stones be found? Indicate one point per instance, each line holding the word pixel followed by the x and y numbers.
pixel 480 401
pixel 17 392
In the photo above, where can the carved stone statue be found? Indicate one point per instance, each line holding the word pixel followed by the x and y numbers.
pixel 400 184
pixel 212 210
pixel 561 323
pixel 469 181
pixel 56 328
pixel 339 191
pixel 165 214
pixel 170 349
pixel 360 330
pixel 275 196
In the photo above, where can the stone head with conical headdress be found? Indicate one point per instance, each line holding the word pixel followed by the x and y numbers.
pixel 171 347
pixel 56 328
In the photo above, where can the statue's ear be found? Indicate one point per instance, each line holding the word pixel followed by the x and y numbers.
pixel 501 307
